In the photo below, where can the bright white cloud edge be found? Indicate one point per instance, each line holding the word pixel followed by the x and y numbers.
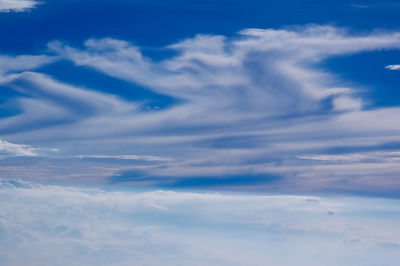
pixel 11 149
pixel 393 67
pixel 17 5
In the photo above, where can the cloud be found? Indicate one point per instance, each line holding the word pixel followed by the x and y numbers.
pixel 344 103
pixel 11 64
pixel 47 102
pixel 393 67
pixel 251 104
pixel 263 73
pixel 11 149
pixel 125 157
pixel 71 225
pixel 17 5
pixel 389 156
pixel 262 65
pixel 8 150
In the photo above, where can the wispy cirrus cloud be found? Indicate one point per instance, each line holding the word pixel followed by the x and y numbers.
pixel 245 105
pixel 17 5
pixel 263 65
pixel 48 102
pixel 20 63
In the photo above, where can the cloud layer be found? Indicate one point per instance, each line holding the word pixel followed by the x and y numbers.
pixel 69 225
pixel 255 104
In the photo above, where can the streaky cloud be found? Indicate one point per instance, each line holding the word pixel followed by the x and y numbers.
pixel 125 157
pixel 252 104
pixel 393 67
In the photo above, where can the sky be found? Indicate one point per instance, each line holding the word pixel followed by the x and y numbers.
pixel 145 130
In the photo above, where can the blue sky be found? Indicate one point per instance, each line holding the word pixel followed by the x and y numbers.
pixel 222 132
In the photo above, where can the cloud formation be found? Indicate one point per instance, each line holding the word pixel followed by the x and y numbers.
pixel 265 72
pixel 17 5
pixel 253 104
pixel 11 149
pixel 69 225
pixel 393 67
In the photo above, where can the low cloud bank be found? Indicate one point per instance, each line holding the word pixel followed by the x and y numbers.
pixel 88 226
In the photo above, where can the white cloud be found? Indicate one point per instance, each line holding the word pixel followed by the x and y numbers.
pixel 49 102
pixel 249 104
pixel 393 67
pixel 17 5
pixel 8 149
pixel 344 103
pixel 23 62
pixel 263 73
pixel 68 225
pixel 11 149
